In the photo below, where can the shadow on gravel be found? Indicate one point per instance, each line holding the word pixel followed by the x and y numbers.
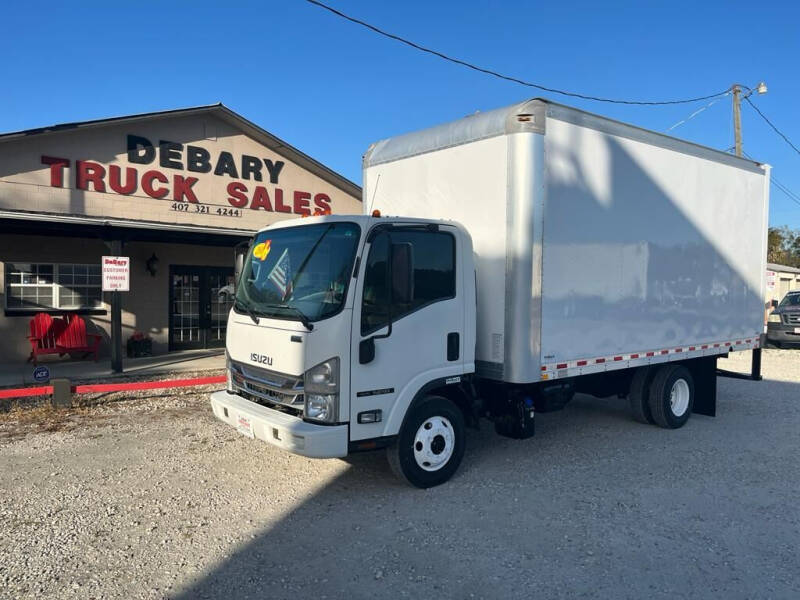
pixel 595 505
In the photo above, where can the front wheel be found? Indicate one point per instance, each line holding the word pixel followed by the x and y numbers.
pixel 431 443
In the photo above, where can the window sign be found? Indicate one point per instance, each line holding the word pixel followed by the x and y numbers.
pixel 116 273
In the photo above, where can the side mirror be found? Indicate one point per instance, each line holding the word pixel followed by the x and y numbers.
pixel 366 351
pixel 239 252
pixel 402 273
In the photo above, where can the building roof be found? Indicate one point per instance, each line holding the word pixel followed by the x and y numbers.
pixel 222 112
pixel 782 268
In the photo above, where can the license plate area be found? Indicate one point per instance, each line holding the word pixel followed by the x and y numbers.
pixel 245 426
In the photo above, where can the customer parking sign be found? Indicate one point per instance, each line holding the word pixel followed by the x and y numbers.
pixel 116 273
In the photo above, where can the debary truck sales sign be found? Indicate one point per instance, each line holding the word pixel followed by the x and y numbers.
pixel 192 169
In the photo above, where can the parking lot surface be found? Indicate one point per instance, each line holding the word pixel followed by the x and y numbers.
pixel 150 497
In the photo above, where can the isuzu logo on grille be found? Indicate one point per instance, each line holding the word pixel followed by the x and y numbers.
pixel 261 359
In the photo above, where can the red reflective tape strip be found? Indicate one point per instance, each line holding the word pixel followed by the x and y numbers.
pixel 704 346
pixel 581 363
pixel 634 356
pixel 617 358
pixel 600 360
pixel 146 385
pixel 716 345
pixel 738 341
pixel 665 352
pixel 544 368
pixel 691 348
pixel 651 354
pixel 561 366
pixel 24 392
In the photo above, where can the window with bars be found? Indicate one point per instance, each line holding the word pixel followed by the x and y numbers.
pixel 48 286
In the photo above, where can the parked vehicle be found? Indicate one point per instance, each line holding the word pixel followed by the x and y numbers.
pixel 539 251
pixel 783 326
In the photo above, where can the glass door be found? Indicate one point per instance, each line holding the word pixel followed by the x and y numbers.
pixel 199 300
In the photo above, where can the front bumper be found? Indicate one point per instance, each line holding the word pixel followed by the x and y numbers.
pixel 778 332
pixel 279 429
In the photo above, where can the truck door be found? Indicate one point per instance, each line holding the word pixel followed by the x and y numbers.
pixel 425 339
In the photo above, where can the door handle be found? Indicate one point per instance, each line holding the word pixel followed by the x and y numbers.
pixel 452 346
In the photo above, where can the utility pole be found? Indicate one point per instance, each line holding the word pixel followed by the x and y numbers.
pixel 737 117
pixel 736 89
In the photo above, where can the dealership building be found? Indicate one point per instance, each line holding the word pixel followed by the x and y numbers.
pixel 175 191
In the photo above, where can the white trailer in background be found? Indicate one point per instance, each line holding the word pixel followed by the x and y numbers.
pixel 587 255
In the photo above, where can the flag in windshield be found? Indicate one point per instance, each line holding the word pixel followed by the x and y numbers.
pixel 281 275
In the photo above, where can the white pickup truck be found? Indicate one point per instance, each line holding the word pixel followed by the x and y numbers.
pixel 537 251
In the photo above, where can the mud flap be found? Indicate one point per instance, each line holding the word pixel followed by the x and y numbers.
pixel 704 372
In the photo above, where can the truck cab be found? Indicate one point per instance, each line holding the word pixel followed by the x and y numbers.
pixel 350 332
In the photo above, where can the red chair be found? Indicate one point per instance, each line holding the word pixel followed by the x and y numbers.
pixel 74 338
pixel 44 333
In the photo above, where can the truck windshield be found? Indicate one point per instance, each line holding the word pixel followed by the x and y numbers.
pixel 299 273
pixel 790 300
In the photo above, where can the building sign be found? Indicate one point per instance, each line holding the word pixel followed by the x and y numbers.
pixel 198 170
pixel 772 278
pixel 116 273
pixel 157 177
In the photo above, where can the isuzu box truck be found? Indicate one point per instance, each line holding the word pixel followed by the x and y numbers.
pixel 505 261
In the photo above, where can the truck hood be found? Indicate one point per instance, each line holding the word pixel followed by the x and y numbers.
pixel 786 310
pixel 273 344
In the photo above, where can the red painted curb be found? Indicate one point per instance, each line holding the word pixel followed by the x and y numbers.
pixel 22 392
pixel 92 388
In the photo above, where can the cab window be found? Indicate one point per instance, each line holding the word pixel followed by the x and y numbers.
pixel 434 275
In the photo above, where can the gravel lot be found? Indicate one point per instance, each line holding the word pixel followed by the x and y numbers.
pixel 152 498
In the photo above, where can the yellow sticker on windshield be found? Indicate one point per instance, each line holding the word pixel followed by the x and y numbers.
pixel 261 250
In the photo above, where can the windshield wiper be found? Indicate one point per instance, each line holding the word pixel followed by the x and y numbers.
pixel 248 309
pixel 300 315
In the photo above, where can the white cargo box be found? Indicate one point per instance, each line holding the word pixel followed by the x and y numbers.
pixel 598 245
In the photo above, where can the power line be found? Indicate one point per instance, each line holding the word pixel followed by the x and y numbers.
pixel 468 65
pixel 698 111
pixel 778 131
pixel 781 186
pixel 790 194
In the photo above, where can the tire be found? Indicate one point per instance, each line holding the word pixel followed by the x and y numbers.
pixel 430 445
pixel 639 395
pixel 671 397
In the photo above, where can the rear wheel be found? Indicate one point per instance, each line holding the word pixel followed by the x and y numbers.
pixel 671 396
pixel 638 394
pixel 431 443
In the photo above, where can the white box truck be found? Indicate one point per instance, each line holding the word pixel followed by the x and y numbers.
pixel 532 252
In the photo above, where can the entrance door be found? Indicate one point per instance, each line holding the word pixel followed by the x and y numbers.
pixel 199 301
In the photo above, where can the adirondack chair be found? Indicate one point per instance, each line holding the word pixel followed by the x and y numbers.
pixel 75 339
pixel 44 333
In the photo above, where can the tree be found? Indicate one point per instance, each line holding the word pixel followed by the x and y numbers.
pixel 783 246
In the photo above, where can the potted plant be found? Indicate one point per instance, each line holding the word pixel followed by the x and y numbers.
pixel 139 344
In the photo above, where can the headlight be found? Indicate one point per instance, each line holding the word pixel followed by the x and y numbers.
pixel 321 391
pixel 774 319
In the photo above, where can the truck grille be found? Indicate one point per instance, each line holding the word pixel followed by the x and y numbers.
pixel 792 319
pixel 275 390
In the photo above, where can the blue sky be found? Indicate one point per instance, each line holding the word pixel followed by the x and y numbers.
pixel 331 88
